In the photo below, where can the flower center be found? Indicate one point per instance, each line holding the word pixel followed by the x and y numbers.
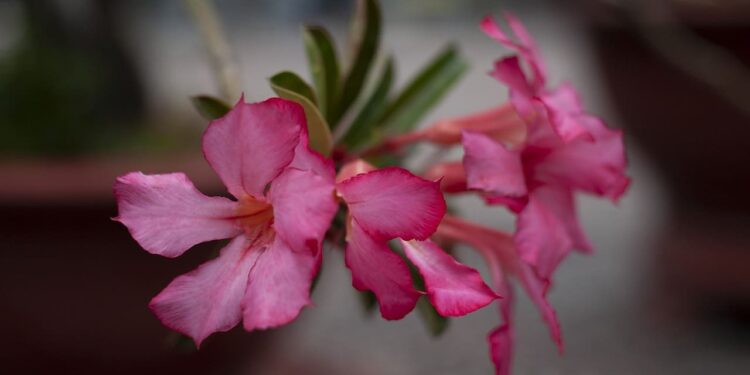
pixel 254 215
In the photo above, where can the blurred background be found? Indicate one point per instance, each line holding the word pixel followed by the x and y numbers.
pixel 91 89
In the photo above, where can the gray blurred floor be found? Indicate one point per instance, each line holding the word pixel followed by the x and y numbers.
pixel 608 322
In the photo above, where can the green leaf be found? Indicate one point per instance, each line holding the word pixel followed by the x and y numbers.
pixel 424 91
pixel 209 107
pixel 364 125
pixel 317 127
pixel 365 38
pixel 324 67
pixel 292 82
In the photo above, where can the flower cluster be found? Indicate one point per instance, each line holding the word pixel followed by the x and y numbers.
pixel 530 155
pixel 285 197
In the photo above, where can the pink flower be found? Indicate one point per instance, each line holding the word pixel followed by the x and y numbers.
pixel 564 150
pixel 532 100
pixel 498 250
pixel 393 203
pixel 537 181
pixel 284 202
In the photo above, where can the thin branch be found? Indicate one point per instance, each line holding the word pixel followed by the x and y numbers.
pixel 225 70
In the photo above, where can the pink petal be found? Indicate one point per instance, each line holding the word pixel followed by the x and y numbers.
pixel 378 269
pixel 530 51
pixel 541 236
pixel 307 159
pixel 167 215
pixel 392 202
pixel 451 175
pixel 208 299
pixel 564 110
pixel 453 288
pixel 303 206
pixel 490 27
pixel 502 339
pixel 509 72
pixel 278 286
pixel 253 143
pixel 491 167
pixel 501 348
pixel 597 167
pixel 536 289
pixel 525 46
pixel 562 203
pixel 515 204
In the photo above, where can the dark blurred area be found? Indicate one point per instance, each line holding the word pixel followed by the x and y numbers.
pixel 92 89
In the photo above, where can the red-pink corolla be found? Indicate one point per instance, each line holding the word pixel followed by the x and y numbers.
pixel 285 198
pixel 284 203
pixel 498 250
pixel 530 155
pixel 393 203
pixel 565 149
pixel 533 154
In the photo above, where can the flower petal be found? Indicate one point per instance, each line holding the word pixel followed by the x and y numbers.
pixel 208 299
pixel 508 71
pixel 597 167
pixel 378 269
pixel 453 288
pixel 167 215
pixel 564 112
pixel 525 45
pixel 501 348
pixel 253 143
pixel 502 338
pixel 491 167
pixel 307 159
pixel 562 203
pixel 303 206
pixel 541 236
pixel 536 289
pixel 392 202
pixel 278 286
pixel 530 52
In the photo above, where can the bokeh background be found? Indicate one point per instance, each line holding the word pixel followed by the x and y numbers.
pixel 91 89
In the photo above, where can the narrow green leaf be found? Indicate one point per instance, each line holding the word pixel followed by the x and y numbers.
pixel 209 107
pixel 424 91
pixel 317 127
pixel 324 67
pixel 363 127
pixel 294 83
pixel 365 38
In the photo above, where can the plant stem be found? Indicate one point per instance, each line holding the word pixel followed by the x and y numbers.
pixel 225 70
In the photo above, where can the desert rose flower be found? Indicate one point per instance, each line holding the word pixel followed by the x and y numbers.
pixel 391 203
pixel 283 204
pixel 564 150
pixel 498 250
